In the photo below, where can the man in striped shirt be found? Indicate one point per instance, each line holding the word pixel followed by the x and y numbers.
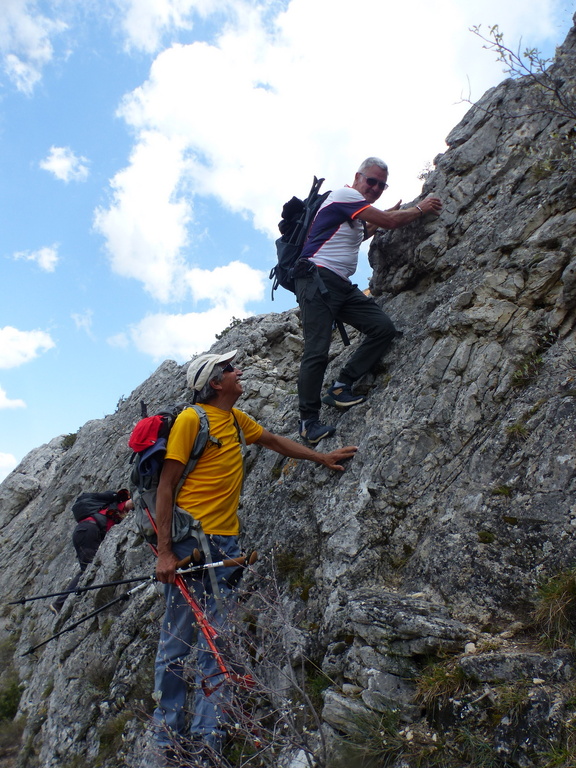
pixel 325 292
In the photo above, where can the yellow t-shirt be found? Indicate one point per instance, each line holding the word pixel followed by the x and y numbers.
pixel 211 492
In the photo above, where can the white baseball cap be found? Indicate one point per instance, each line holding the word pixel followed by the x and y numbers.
pixel 200 369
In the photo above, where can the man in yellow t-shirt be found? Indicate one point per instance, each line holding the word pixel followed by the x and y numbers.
pixel 211 494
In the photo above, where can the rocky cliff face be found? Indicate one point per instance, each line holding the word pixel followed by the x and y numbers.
pixel 414 572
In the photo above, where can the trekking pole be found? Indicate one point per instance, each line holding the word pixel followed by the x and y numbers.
pixel 124 596
pixel 211 635
pixel 181 567
pixel 241 562
pixel 79 590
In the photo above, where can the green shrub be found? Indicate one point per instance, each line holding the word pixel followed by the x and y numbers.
pixel 477 750
pixel 375 736
pixel 502 490
pixel 486 537
pixel 10 694
pixel 10 736
pixel 527 371
pixel 7 649
pixel 294 569
pixel 69 440
pixel 555 613
pixel 233 323
pixel 518 431
pixel 439 682
pixel 316 683
pixel 111 736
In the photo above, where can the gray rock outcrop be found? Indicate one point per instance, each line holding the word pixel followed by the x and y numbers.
pixel 409 581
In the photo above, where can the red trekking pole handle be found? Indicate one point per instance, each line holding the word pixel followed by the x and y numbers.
pixel 210 634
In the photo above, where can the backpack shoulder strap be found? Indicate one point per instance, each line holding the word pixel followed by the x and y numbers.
pixel 243 449
pixel 198 448
pixel 241 438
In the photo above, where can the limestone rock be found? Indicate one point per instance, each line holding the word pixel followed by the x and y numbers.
pixel 433 542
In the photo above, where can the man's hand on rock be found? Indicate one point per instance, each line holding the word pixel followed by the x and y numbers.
pixel 431 205
pixel 333 459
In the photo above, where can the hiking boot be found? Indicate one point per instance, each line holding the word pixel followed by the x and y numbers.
pixel 341 396
pixel 313 431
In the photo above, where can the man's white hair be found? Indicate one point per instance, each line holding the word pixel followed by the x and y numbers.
pixel 370 161
pixel 208 392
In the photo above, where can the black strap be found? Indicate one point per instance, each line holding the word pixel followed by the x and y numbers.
pixel 338 323
pixel 343 334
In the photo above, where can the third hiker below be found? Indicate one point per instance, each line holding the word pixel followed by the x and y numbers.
pixel 326 294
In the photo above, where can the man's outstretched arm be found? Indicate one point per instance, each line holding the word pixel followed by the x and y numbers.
pixel 294 450
pixel 395 217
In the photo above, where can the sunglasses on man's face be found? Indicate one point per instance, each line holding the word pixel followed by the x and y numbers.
pixel 228 368
pixel 372 182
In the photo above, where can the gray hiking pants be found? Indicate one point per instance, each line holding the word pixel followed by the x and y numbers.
pixel 318 311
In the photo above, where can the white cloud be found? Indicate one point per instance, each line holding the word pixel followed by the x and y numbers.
pixel 119 340
pixel 6 402
pixel 47 258
pixel 65 164
pixel 145 228
pixel 83 322
pixel 179 336
pixel 18 347
pixel 282 93
pixel 227 289
pixel 25 42
pixel 145 21
pixel 23 74
pixel 7 463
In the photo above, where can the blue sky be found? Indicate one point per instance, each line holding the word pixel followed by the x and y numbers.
pixel 147 147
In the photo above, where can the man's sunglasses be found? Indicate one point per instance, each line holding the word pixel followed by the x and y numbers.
pixel 228 368
pixel 372 182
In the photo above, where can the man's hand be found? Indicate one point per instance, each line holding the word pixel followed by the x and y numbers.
pixel 431 205
pixel 166 567
pixel 396 217
pixel 286 447
pixel 332 460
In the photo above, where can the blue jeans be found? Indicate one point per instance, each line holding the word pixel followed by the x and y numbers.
pixel 177 637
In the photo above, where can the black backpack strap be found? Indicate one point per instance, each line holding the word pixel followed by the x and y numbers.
pixel 338 323
pixel 197 449
pixel 241 438
pixel 243 449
